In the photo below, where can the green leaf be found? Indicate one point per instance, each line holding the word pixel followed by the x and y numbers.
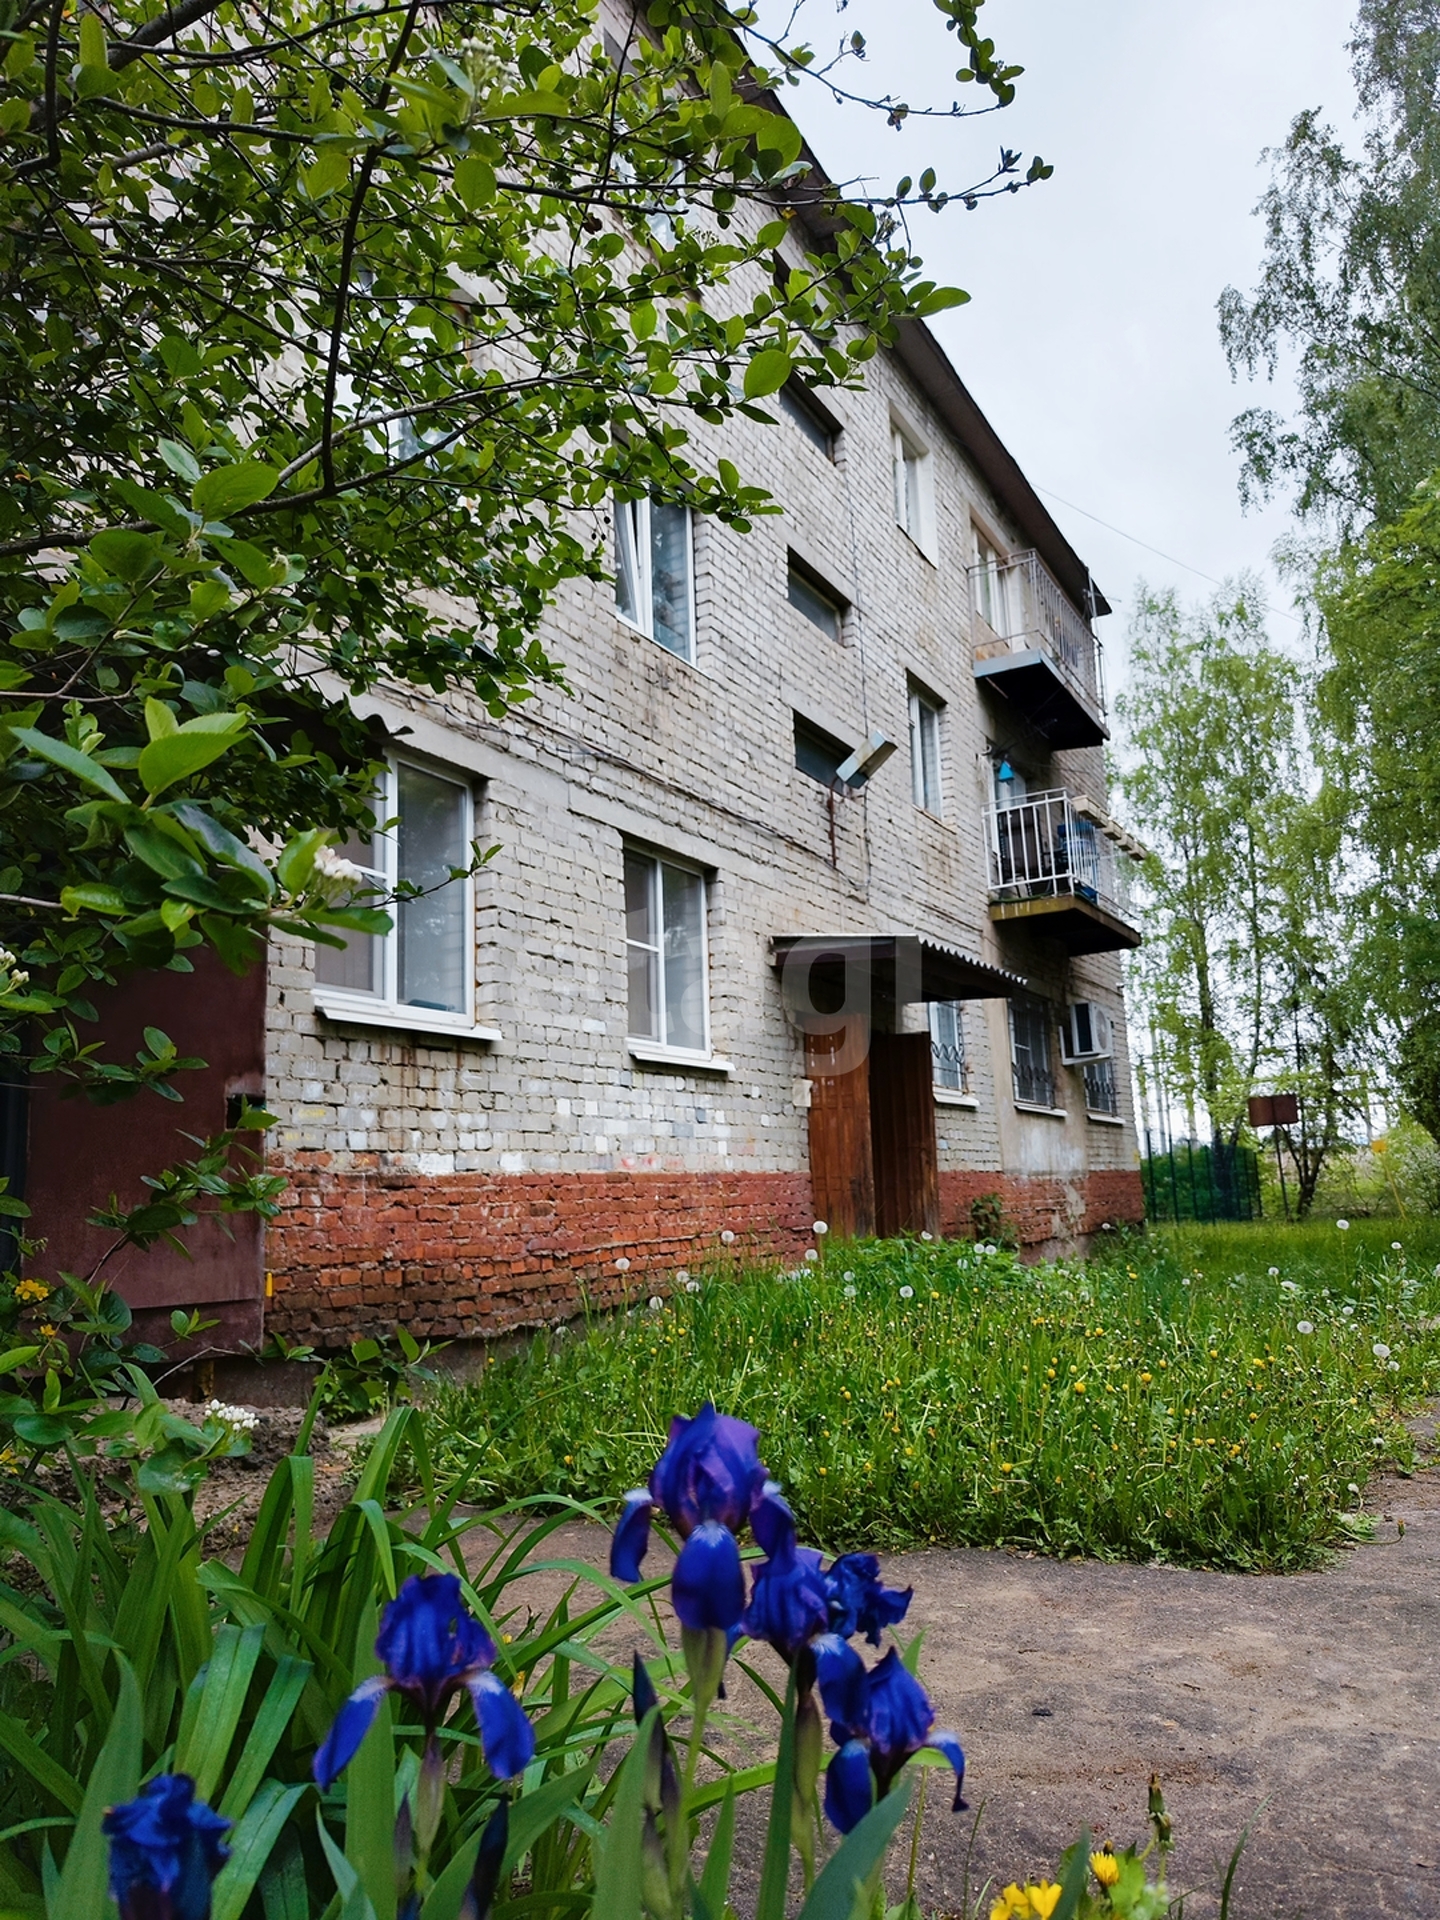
pixel 370 1787
pixel 47 1774
pixel 251 1845
pixel 93 50
pixel 1072 1886
pixel 297 862
pixel 179 755
pixel 42 1429
pixel 619 1870
pixel 256 568
pixel 219 1699
pixel 329 170
pixel 91 897
pixel 160 722
pixel 775 1870
pixel 180 460
pixel 161 853
pixel 282 1696
pixel 475 181
pixel 115 1778
pixel 714 1885
pixel 129 556
pixel 767 373
pixel 229 489
pixel 841 1883
pixel 61 754
pixel 940 299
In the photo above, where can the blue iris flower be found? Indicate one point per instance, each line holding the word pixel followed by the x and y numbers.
pixel 431 1647
pixel 859 1603
pixel 879 1717
pixel 710 1484
pixel 793 1600
pixel 165 1849
pixel 790 1600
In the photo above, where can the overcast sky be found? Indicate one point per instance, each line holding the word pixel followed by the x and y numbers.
pixel 1090 340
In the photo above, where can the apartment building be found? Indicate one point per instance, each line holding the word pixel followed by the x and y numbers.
pixel 807 905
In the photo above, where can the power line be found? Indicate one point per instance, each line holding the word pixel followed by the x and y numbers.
pixel 1135 540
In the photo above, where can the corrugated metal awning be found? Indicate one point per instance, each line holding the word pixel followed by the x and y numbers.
pixel 895 967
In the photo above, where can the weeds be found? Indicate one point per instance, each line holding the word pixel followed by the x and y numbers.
pixel 1185 1397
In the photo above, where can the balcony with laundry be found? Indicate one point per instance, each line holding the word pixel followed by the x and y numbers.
pixel 1061 864
pixel 1036 649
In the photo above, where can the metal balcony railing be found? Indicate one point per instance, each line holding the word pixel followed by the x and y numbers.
pixel 1042 848
pixel 1020 607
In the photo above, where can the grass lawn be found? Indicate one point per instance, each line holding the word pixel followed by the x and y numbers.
pixel 1208 1395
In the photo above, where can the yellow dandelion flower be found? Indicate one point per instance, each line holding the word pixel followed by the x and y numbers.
pixel 1105 1867
pixel 1146 1378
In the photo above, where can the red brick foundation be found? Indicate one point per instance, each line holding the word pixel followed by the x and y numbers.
pixel 474 1254
pixel 1049 1215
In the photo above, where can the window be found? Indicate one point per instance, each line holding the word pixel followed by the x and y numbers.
pixel 925 753
pixel 426 962
pixel 665 949
pixel 817 753
pixel 654 588
pixel 947 1045
pixel 807 414
pixel 815 600
pixel 1102 1092
pixel 1030 1053
pixel 992 588
pixel 912 488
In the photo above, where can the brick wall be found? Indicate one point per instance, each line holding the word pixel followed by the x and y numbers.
pixel 363 1250
pixel 464 1187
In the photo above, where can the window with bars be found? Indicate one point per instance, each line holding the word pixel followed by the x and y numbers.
pixel 654 572
pixel 665 950
pixel 947 1045
pixel 925 781
pixel 426 962
pixel 1030 1056
pixel 1102 1090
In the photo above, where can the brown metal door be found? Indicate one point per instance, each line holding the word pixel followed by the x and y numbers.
pixel 902 1130
pixel 841 1173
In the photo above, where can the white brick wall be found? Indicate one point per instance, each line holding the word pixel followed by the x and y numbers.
pixel 697 760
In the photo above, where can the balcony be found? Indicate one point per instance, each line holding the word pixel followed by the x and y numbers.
pixel 1034 648
pixel 1058 863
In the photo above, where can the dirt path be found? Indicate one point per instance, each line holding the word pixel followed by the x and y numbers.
pixel 1069 1683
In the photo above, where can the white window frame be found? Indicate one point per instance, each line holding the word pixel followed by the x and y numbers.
pixel 384 1008
pixel 990 565
pixel 633 534
pixel 914 503
pixel 657 1047
pixel 927 713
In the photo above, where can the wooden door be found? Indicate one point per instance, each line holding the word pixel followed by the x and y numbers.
pixel 902 1131
pixel 841 1171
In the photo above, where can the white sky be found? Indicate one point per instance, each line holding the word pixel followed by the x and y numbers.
pixel 1090 340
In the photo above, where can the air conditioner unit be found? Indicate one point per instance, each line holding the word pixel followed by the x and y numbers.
pixel 1086 1033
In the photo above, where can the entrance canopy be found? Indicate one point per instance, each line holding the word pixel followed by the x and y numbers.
pixel 830 972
